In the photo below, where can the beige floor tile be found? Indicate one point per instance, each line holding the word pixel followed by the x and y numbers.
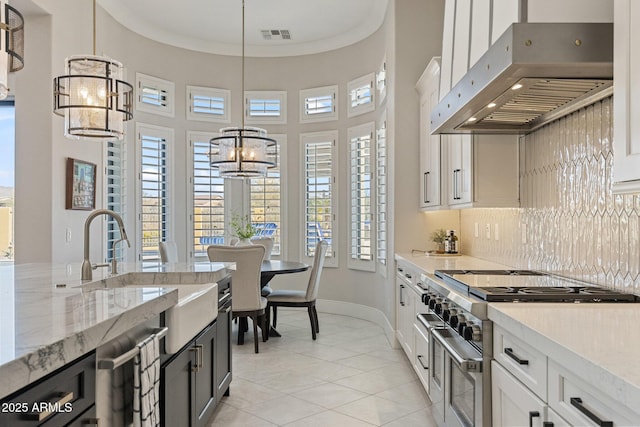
pixel 243 393
pixel 375 410
pixel 421 418
pixel 284 410
pixel 365 362
pixel 330 395
pixel 329 419
pixel 228 416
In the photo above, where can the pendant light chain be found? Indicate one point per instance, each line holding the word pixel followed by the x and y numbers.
pixel 244 106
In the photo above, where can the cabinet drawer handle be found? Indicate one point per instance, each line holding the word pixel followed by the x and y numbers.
pixel 420 357
pixel 547 424
pixel 91 422
pixel 64 398
pixel 426 187
pixel 577 403
pixel 532 415
pixel 198 349
pixel 509 352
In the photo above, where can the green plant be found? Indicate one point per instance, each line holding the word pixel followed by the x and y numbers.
pixel 439 236
pixel 242 227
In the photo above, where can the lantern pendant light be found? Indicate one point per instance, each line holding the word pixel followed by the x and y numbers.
pixel 92 97
pixel 244 152
pixel 11 45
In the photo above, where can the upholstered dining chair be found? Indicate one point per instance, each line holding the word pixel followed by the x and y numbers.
pixel 246 300
pixel 168 251
pixel 295 298
pixel 267 242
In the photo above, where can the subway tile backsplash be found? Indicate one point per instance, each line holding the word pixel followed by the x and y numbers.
pixel 569 222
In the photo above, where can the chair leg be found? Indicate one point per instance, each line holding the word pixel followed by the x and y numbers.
pixel 264 325
pixel 315 316
pixel 240 332
pixel 275 315
pixel 255 331
pixel 312 321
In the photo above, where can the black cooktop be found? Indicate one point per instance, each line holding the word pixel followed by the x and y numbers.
pixel 527 286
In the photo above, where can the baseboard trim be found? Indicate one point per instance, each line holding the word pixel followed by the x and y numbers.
pixel 360 311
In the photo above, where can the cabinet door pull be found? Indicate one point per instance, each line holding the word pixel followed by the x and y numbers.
pixel 547 424
pixel 426 187
pixel 91 422
pixel 532 415
pixel 197 349
pixel 63 398
pixel 420 357
pixel 577 403
pixel 509 352
pixel 401 301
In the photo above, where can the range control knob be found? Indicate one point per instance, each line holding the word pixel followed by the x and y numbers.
pixel 425 298
pixel 440 307
pixel 472 333
pixel 448 313
pixel 454 321
pixel 433 302
pixel 462 324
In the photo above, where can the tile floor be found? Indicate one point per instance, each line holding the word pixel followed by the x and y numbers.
pixel 349 377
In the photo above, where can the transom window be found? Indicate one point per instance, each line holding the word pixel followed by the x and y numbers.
pixel 208 104
pixel 318 104
pixel 320 193
pixel 266 107
pixel 360 92
pixel 155 95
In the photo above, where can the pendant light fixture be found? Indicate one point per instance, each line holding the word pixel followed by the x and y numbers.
pixel 244 152
pixel 11 45
pixel 92 97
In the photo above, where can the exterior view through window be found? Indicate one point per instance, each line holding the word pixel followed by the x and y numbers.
pixel 7 177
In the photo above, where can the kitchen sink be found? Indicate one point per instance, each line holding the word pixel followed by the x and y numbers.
pixel 197 303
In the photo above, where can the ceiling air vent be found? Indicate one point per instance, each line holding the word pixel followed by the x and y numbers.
pixel 276 34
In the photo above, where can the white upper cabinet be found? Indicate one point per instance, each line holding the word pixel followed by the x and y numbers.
pixel 447 48
pixel 461 42
pixel 626 99
pixel 430 171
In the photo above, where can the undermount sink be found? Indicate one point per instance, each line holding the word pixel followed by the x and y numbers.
pixel 197 305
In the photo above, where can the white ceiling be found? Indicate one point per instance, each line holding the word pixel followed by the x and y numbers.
pixel 215 26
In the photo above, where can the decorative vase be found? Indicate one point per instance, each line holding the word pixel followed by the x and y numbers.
pixel 244 242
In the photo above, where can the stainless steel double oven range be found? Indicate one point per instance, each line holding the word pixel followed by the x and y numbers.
pixel 459 334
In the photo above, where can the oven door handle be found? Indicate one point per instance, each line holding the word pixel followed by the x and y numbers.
pixel 465 364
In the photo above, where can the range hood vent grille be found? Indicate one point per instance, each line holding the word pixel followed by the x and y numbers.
pixel 533 74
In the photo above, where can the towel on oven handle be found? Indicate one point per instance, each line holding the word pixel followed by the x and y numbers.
pixel 146 386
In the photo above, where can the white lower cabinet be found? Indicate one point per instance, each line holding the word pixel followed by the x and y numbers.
pixel 406 298
pixel 582 404
pixel 512 403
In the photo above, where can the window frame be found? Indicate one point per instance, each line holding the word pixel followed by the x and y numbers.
pixel 281 140
pixel 263 95
pixel 208 92
pixel 382 198
pixel 332 258
pixel 194 137
pixel 168 134
pixel 111 225
pixel 166 86
pixel 358 83
pixel 318 92
pixel 355 262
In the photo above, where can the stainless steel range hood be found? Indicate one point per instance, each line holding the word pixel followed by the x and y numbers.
pixel 533 74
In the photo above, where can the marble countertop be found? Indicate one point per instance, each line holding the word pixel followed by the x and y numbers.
pixel 599 342
pixel 49 317
pixel 429 264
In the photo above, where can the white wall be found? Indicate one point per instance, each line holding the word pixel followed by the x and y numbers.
pixel 410 36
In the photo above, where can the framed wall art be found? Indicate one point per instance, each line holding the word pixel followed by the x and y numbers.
pixel 81 185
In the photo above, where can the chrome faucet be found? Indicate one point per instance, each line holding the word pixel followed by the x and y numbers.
pixel 87 267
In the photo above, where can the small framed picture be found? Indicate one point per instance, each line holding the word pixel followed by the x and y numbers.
pixel 81 185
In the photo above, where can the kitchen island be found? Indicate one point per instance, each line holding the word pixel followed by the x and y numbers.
pixel 49 317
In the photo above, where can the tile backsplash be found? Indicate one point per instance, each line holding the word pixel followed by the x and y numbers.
pixel 569 222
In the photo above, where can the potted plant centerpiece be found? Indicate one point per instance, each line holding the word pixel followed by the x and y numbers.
pixel 243 229
pixel 438 237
